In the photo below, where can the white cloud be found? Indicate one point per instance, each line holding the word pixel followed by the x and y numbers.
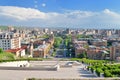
pixel 43 4
pixel 21 13
pixel 10 15
pixel 111 13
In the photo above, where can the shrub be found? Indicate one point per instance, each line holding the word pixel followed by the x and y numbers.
pixel 7 56
pixel 115 71
pixel 99 70
pixel 107 74
pixel 1 51
pixel 92 68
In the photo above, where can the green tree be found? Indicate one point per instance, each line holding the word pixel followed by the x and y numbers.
pixel 107 74
pixel 1 51
pixel 57 42
pixel 99 70
pixel 82 55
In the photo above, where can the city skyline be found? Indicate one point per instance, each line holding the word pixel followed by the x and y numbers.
pixel 61 13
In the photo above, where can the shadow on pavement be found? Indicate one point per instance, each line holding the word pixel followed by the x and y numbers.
pixel 85 73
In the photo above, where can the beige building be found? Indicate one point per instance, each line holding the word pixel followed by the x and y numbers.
pixel 115 51
pixel 80 47
pixel 99 43
pixel 10 28
pixel 94 52
pixel 41 51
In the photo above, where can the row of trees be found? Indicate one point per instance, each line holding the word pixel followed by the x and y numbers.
pixel 82 55
pixel 69 45
pixel 84 36
pixel 102 66
pixel 67 41
pixel 57 42
pixel 107 69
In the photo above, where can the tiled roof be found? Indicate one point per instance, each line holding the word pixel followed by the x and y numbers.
pixel 14 50
pixel 24 47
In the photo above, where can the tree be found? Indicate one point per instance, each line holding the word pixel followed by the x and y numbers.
pixel 82 55
pixel 58 41
pixel 99 70
pixel 1 51
pixel 107 74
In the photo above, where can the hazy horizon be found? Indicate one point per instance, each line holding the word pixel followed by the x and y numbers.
pixel 98 14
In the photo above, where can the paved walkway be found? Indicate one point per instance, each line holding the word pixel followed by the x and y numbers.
pixel 75 72
pixel 85 73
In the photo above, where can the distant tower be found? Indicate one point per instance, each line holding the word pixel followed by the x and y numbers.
pixel 68 31
pixel 109 33
pixel 10 28
pixel 45 30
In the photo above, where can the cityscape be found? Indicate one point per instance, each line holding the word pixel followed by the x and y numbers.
pixel 59 40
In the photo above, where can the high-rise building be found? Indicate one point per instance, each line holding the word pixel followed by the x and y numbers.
pixel 9 40
pixel 109 33
pixel 45 30
pixel 68 31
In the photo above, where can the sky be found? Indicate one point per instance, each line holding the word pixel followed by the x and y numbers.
pixel 61 13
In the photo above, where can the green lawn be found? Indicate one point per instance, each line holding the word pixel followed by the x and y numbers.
pixel 6 56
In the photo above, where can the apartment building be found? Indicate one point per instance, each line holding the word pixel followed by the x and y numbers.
pixel 42 47
pixel 115 51
pixel 80 47
pixel 94 52
pixel 41 50
pixel 9 40
pixel 99 42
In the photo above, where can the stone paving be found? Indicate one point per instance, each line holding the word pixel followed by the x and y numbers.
pixel 75 72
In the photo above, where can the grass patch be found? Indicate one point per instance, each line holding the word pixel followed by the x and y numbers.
pixel 7 56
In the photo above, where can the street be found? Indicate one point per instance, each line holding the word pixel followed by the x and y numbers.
pixel 61 51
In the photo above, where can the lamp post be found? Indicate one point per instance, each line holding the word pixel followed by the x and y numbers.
pixel 70 53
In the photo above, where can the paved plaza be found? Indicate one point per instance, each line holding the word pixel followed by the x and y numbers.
pixel 75 72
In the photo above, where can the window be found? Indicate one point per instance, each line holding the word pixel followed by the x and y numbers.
pixel 117 50
pixel 11 36
pixel 4 36
pixel 7 36
pixel 0 35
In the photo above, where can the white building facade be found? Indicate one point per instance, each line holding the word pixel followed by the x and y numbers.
pixel 9 40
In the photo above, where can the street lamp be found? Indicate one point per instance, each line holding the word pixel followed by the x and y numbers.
pixel 70 53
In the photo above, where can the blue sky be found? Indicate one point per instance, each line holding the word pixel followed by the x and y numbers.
pixel 61 13
pixel 59 5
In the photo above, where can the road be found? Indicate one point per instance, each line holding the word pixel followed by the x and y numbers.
pixel 61 51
